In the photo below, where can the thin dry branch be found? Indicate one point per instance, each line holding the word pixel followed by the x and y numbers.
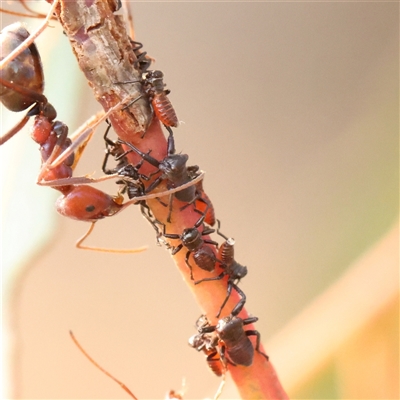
pixel 104 53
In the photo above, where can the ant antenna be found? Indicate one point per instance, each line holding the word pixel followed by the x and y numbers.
pixel 123 386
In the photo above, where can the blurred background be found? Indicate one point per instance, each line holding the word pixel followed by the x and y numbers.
pixel 292 109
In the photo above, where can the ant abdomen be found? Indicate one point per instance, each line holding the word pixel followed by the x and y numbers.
pixel 164 110
pixel 226 251
pixel 86 203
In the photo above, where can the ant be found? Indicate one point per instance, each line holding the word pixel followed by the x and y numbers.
pixel 191 238
pixel 235 346
pixel 173 168
pixel 78 201
pixel 232 269
pixel 153 86
pixel 208 343
pixel 81 201
pixel 143 61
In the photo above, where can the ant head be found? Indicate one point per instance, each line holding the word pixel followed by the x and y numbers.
pixel 190 236
pixel 21 81
pixel 174 164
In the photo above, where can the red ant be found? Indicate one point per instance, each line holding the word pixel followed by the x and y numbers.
pixel 79 201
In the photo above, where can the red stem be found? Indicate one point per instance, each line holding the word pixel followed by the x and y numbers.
pixel 102 46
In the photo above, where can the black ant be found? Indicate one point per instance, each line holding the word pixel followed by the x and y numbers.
pixel 232 269
pixel 173 168
pixel 235 346
pixel 153 86
pixel 192 239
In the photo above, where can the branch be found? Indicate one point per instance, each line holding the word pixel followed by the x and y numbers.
pixel 104 53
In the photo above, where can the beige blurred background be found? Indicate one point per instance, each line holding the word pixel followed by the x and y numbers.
pixel 291 109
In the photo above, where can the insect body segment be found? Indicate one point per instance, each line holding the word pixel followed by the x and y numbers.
pixel 192 239
pixel 207 343
pixel 235 346
pixel 153 85
pixel 82 202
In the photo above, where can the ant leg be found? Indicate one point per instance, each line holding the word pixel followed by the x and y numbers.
pixel 175 250
pixel 154 184
pixel 207 232
pixel 171 198
pixel 123 386
pixel 123 251
pixel 84 133
pixel 257 334
pixel 250 320
pixel 239 306
pixel 219 232
pixel 147 157
pixel 188 264
pixel 197 198
pixel 7 136
pixel 145 210
pixel 217 278
pixel 229 291
pixel 171 142
pixel 225 360
pixel 78 180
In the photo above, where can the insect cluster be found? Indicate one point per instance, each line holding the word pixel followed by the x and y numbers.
pixel 21 88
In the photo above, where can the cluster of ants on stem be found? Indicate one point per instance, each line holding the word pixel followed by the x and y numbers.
pixel 225 343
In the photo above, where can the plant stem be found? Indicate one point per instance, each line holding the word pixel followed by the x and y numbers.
pixel 108 46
